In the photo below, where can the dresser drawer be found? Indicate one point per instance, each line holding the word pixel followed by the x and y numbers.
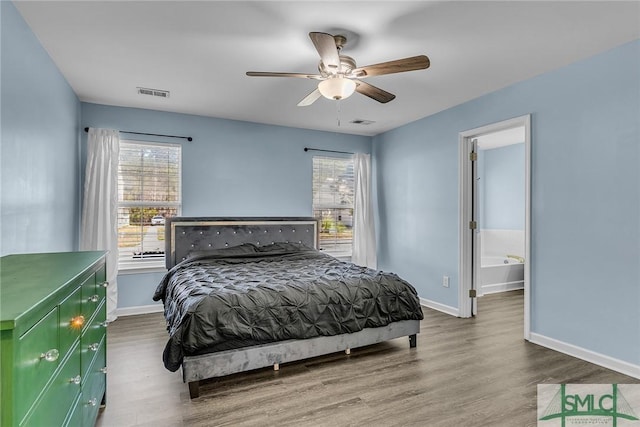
pixel 37 357
pixel 71 321
pixel 92 296
pixel 74 419
pixel 92 337
pixel 94 386
pixel 57 399
pixel 101 279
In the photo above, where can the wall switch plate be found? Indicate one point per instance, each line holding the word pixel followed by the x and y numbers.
pixel 445 281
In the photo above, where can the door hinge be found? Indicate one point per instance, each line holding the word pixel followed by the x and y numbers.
pixel 473 225
pixel 472 293
pixel 473 156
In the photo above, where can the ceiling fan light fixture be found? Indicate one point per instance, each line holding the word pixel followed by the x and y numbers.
pixel 337 88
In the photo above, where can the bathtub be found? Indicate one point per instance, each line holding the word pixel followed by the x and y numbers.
pixel 500 274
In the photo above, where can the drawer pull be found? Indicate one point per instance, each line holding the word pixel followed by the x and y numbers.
pixel 94 298
pixel 105 284
pixel 51 355
pixel 103 370
pixel 76 380
pixel 77 322
pixel 94 346
pixel 92 402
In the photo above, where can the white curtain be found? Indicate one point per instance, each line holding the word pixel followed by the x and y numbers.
pixel 100 205
pixel 364 234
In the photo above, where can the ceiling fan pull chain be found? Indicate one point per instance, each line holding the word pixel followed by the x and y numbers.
pixel 338 111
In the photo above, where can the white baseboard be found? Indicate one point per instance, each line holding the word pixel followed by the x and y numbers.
pixel 501 287
pixel 140 309
pixel 588 355
pixel 440 307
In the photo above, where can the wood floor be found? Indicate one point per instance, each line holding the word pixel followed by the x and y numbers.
pixel 464 372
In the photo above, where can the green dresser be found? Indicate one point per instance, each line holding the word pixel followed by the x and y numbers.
pixel 53 338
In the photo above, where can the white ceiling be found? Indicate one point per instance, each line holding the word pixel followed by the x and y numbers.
pixel 201 50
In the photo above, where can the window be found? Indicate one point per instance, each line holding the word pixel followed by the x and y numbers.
pixel 149 191
pixel 333 198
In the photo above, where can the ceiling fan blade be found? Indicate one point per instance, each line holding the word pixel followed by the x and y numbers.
pixel 374 92
pixel 326 46
pixel 310 99
pixel 269 74
pixel 399 66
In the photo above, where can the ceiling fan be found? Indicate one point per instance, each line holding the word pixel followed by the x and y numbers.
pixel 340 77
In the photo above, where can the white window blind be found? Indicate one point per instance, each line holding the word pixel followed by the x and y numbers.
pixel 333 198
pixel 149 191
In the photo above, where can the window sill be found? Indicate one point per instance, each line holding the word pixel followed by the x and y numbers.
pixel 156 268
pixel 141 269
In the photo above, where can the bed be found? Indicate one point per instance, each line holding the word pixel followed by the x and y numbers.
pixel 248 293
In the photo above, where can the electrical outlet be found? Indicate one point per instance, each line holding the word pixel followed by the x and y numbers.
pixel 445 281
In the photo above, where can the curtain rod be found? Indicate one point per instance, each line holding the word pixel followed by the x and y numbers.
pixel 326 151
pixel 188 138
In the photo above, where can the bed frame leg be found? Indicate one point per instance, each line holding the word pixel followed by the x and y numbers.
pixel 194 389
pixel 413 341
pixel 347 351
pixel 276 366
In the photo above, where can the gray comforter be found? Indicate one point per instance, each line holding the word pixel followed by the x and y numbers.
pixel 250 295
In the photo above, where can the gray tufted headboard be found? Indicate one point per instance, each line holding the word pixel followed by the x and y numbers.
pixel 187 234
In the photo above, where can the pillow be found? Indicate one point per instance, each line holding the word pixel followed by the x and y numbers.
pixel 249 250
pixel 283 247
pixel 244 249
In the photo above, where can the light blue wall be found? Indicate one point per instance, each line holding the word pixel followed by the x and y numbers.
pixel 585 199
pixel 231 168
pixel 39 145
pixel 502 187
pixel 585 277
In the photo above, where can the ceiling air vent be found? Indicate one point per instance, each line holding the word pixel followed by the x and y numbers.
pixel 153 92
pixel 362 122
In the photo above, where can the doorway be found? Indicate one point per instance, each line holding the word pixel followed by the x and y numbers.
pixel 470 245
